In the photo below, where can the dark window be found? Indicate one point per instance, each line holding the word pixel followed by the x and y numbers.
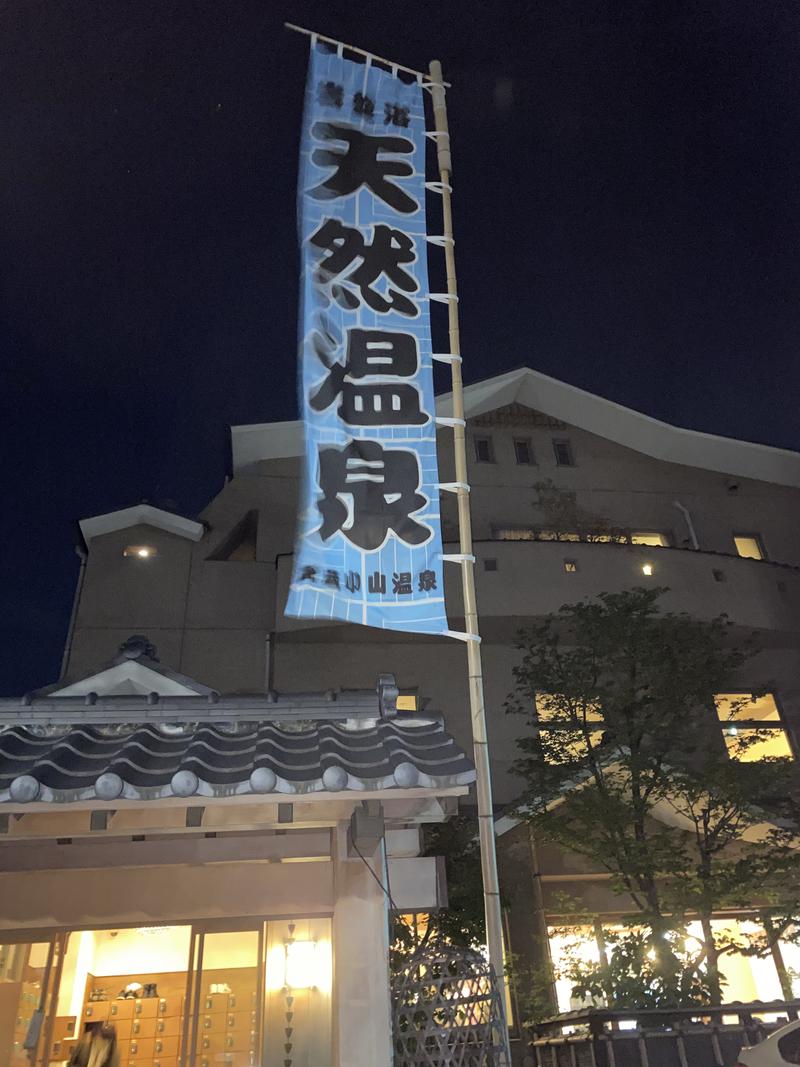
pixel 719 576
pixel 484 452
pixel 523 451
pixel 490 564
pixel 240 544
pixel 562 450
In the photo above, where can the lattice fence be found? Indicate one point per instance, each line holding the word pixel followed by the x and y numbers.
pixel 447 1011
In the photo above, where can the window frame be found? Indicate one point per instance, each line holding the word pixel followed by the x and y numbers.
pixel 527 443
pixel 776 725
pixel 665 535
pixel 480 438
pixel 759 541
pixel 566 443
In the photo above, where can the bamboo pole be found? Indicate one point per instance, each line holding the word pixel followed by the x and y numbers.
pixel 491 893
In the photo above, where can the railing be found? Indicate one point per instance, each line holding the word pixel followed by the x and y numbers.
pixel 686 1037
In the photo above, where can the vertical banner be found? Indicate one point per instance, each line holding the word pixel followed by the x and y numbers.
pixel 369 540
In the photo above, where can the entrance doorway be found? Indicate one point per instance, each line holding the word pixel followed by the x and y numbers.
pixel 243 993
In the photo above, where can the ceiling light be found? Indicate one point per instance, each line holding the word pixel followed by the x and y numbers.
pixel 647 569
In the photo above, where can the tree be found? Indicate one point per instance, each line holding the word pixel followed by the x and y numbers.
pixel 625 765
pixel 462 921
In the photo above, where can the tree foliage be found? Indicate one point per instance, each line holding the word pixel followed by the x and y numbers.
pixel 624 764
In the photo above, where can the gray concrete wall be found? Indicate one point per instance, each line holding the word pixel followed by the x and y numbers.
pixel 218 620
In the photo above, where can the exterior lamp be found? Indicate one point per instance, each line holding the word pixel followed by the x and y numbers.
pixel 647 569
pixel 300 964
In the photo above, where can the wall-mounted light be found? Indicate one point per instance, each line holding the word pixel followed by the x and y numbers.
pixel 140 551
pixel 300 965
pixel 647 569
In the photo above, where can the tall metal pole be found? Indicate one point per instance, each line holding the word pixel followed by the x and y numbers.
pixel 491 894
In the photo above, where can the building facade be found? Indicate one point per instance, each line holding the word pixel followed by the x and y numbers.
pixel 712 519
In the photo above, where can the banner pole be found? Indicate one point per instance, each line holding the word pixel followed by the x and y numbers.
pixel 491 893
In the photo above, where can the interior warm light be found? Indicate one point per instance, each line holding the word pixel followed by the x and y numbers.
pixel 300 964
pixel 143 553
pixel 647 569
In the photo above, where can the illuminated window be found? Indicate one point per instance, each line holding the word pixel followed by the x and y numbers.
pixel 571 566
pixel 645 537
pixel 563 727
pixel 750 546
pixel 484 450
pixel 523 451
pixel 407 700
pixel 647 570
pixel 139 551
pixel 562 450
pixel 514 533
pixel 753 727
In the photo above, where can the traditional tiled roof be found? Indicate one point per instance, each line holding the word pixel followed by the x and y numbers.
pixel 157 760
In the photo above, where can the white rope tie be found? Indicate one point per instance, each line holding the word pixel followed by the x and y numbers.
pixel 457 557
pixel 444 298
pixel 438 187
pixel 446 357
pixel 439 240
pixel 443 420
pixel 453 487
pixel 461 636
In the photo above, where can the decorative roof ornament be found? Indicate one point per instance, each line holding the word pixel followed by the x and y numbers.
pixel 138 646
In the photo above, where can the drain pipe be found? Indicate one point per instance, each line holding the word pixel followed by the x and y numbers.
pixel 82 555
pixel 689 523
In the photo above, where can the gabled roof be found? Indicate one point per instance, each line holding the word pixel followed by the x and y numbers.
pixel 141 514
pixel 134 671
pixel 587 411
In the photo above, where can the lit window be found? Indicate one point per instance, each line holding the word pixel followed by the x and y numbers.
pixel 647 570
pixel 571 566
pixel 562 450
pixel 750 546
pixel 749 733
pixel 562 727
pixel 523 451
pixel 407 701
pixel 484 450
pixel 140 551
pixel 514 533
pixel 654 540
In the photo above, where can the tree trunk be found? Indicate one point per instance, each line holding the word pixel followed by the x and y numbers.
pixel 712 960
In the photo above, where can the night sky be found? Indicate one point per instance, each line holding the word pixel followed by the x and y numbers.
pixel 627 215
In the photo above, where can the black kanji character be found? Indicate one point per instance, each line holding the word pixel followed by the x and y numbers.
pixel 352 581
pixel 308 574
pixel 330 94
pixel 364 105
pixel 401 583
pixel 395 115
pixel 372 353
pixel 427 581
pixel 377 582
pixel 362 162
pixel 332 578
pixel 368 491
pixel 352 260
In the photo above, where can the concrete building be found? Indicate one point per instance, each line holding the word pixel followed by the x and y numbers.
pixel 713 519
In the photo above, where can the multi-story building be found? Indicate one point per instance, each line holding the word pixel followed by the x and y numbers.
pixel 713 519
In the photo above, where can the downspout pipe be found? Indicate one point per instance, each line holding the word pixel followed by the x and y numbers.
pixel 83 555
pixel 692 535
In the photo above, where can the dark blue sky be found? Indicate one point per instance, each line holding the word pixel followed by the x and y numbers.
pixel 627 214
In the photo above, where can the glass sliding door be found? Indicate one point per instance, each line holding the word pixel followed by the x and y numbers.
pixel 29 973
pixel 225 1004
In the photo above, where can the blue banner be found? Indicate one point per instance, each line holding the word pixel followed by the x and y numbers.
pixel 369 541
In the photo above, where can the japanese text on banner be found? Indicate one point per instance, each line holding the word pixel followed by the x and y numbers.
pixel 369 540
